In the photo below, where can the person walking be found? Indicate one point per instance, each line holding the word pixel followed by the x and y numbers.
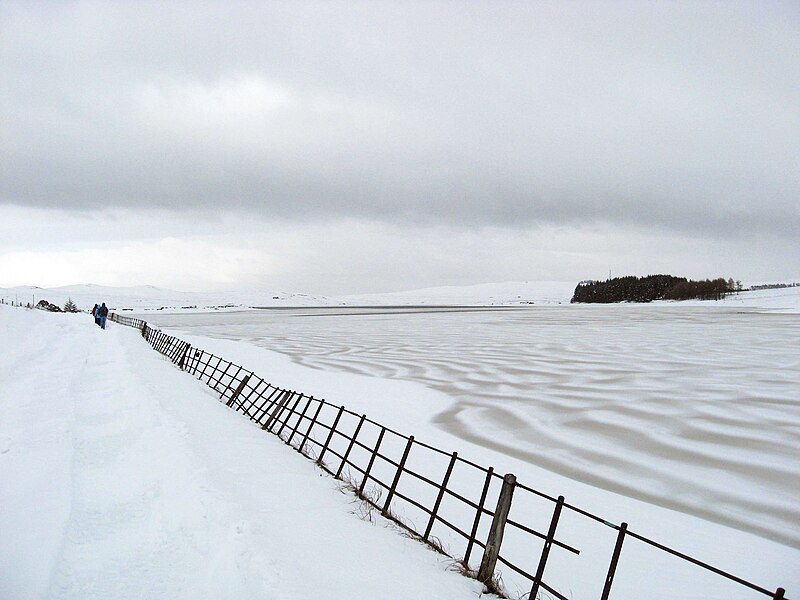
pixel 103 312
pixel 95 315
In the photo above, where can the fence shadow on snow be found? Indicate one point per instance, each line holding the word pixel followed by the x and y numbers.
pixel 412 483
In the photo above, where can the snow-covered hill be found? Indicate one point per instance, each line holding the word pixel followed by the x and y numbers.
pixel 148 297
pixel 152 298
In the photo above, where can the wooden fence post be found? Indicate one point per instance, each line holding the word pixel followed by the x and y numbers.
pixel 396 480
pixel 495 539
pixel 551 534
pixel 238 391
pixel 612 568
pixel 442 489
pixel 186 346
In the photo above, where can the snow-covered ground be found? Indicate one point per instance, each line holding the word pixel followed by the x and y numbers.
pixel 785 300
pixel 122 477
pixel 739 460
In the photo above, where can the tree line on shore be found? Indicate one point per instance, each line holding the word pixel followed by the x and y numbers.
pixel 653 287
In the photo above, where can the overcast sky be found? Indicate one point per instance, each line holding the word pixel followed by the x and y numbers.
pixel 341 147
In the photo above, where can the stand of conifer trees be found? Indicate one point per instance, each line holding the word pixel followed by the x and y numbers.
pixel 651 287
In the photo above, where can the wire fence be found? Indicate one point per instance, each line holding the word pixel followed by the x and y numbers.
pixel 436 496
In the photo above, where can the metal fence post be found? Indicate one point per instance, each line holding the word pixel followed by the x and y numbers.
pixel 371 462
pixel 551 534
pixel 350 446
pixel 400 467
pixel 330 435
pixel 299 419
pixel 495 539
pixel 439 497
pixel 289 416
pixel 277 409
pixel 310 426
pixel 612 568
pixel 476 522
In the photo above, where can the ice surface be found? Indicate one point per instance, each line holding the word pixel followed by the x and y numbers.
pixel 691 408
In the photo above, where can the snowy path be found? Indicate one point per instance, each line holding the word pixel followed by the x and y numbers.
pixel 124 478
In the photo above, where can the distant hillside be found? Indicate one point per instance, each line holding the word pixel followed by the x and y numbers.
pixel 148 298
pixel 144 299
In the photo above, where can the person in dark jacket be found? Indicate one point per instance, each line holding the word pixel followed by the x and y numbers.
pixel 95 315
pixel 103 312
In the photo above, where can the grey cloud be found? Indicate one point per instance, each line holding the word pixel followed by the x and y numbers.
pixel 680 117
